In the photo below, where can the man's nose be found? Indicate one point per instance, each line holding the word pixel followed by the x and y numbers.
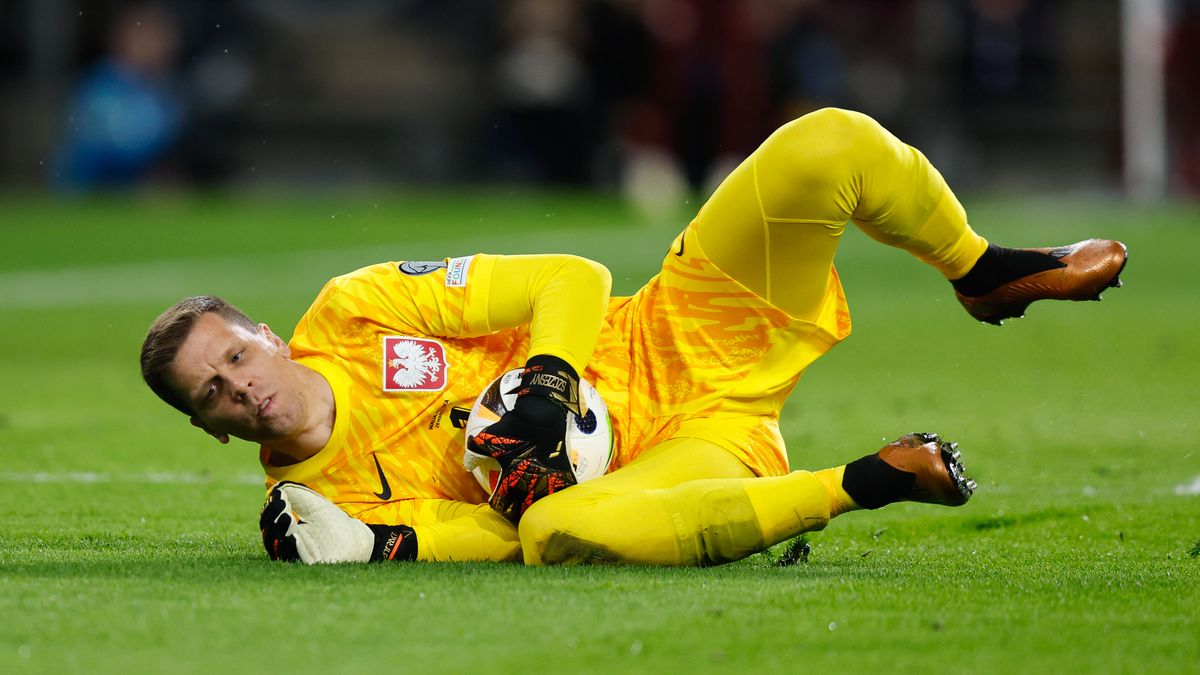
pixel 241 387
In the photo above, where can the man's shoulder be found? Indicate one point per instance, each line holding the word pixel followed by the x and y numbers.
pixel 368 274
pixel 389 274
pixel 351 285
pixel 365 293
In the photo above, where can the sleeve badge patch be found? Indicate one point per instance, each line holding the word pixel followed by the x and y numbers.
pixel 413 364
pixel 456 274
pixel 415 268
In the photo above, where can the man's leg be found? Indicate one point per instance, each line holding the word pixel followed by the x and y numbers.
pixel 683 502
pixel 690 502
pixel 775 222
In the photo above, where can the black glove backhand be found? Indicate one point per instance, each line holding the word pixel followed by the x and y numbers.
pixel 549 389
pixel 529 441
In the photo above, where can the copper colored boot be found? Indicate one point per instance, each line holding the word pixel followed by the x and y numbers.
pixel 1088 267
pixel 939 476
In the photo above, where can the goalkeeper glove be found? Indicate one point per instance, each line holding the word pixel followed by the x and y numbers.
pixel 524 482
pixel 529 441
pixel 299 524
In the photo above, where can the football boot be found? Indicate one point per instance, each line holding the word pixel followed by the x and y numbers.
pixel 1082 272
pixel 936 467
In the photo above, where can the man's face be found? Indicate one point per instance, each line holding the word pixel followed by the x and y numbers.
pixel 239 382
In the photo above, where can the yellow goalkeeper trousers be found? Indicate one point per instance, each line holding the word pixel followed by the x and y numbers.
pixel 773 226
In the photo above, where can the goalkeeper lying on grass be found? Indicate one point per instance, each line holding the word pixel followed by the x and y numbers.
pixel 358 415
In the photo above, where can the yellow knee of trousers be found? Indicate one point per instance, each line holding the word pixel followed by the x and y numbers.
pixel 548 534
pixel 888 188
pixel 823 153
pixel 536 527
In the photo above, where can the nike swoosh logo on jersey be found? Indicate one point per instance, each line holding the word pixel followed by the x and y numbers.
pixel 679 253
pixel 386 493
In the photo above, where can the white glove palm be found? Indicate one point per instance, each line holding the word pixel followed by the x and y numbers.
pixel 299 524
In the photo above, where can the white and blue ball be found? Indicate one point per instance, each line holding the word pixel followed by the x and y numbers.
pixel 589 441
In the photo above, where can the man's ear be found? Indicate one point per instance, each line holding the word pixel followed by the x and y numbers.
pixel 224 438
pixel 274 339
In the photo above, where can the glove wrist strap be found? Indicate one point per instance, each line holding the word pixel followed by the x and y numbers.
pixel 551 378
pixel 393 542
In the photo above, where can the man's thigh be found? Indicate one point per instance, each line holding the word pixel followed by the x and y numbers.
pixel 663 466
pixel 667 464
pixel 775 222
pixel 629 515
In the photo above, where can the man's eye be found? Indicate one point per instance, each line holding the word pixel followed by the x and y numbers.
pixel 237 357
pixel 212 391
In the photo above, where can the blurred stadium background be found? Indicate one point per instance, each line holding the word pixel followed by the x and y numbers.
pixel 255 148
pixel 643 97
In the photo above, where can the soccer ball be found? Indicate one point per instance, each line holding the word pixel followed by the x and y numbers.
pixel 589 441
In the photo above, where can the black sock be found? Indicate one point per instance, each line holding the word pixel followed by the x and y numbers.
pixel 872 482
pixel 999 265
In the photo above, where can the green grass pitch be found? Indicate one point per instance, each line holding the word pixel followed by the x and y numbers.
pixel 128 540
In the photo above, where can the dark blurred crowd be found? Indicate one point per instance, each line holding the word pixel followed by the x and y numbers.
pixel 655 96
pixel 124 116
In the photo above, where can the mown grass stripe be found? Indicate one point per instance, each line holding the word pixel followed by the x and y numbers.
pixel 153 477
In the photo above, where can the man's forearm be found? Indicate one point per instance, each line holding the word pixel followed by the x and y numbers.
pixel 563 299
pixel 483 535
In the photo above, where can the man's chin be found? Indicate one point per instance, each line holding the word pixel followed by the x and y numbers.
pixel 272 429
pixel 264 436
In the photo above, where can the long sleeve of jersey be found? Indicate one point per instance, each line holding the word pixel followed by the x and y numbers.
pixel 451 531
pixel 562 297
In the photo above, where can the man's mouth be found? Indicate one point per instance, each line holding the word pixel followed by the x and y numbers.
pixel 265 405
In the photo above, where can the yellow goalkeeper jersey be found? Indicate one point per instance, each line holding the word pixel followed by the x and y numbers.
pixel 407 346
